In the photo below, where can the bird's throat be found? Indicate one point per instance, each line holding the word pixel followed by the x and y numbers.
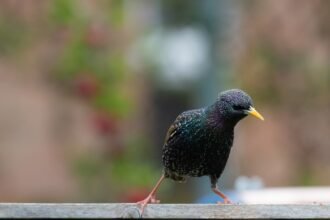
pixel 219 120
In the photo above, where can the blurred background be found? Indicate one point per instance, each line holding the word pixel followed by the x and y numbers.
pixel 89 88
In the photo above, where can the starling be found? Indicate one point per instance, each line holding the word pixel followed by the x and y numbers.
pixel 199 141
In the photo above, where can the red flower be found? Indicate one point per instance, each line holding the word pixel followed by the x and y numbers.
pixel 105 124
pixel 86 86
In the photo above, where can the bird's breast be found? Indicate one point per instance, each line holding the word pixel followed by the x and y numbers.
pixel 197 151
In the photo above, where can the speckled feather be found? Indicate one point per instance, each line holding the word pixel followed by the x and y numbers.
pixel 199 141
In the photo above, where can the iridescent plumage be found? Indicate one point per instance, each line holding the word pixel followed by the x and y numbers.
pixel 199 141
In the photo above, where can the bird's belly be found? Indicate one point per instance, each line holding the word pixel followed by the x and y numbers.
pixel 217 161
pixel 182 161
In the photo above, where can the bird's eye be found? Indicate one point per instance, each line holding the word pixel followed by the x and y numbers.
pixel 238 107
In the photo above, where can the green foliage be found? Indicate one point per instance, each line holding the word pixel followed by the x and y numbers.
pixel 74 58
pixel 115 12
pixel 12 35
pixel 128 171
pixel 109 70
pixel 134 168
pixel 91 172
pixel 128 174
pixel 87 52
pixel 62 11
pixel 113 102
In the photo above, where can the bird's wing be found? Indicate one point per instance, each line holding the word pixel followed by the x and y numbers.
pixel 181 121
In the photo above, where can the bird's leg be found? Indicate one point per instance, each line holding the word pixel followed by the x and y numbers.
pixel 226 200
pixel 214 180
pixel 151 198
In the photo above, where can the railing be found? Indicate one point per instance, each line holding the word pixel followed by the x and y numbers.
pixel 129 210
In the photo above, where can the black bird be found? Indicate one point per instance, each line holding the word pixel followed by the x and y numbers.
pixel 199 141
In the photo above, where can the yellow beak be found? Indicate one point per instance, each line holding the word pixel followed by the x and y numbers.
pixel 254 112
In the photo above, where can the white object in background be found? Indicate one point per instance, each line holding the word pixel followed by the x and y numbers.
pixel 180 55
pixel 184 55
pixel 286 195
pixel 245 183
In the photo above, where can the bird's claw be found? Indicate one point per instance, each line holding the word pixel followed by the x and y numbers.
pixel 144 203
pixel 225 202
pixel 153 200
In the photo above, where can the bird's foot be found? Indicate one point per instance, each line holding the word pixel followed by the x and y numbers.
pixel 143 203
pixel 225 202
pixel 153 200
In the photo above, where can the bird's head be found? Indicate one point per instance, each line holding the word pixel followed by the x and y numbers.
pixel 235 104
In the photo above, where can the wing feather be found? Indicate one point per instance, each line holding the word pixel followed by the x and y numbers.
pixel 182 119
